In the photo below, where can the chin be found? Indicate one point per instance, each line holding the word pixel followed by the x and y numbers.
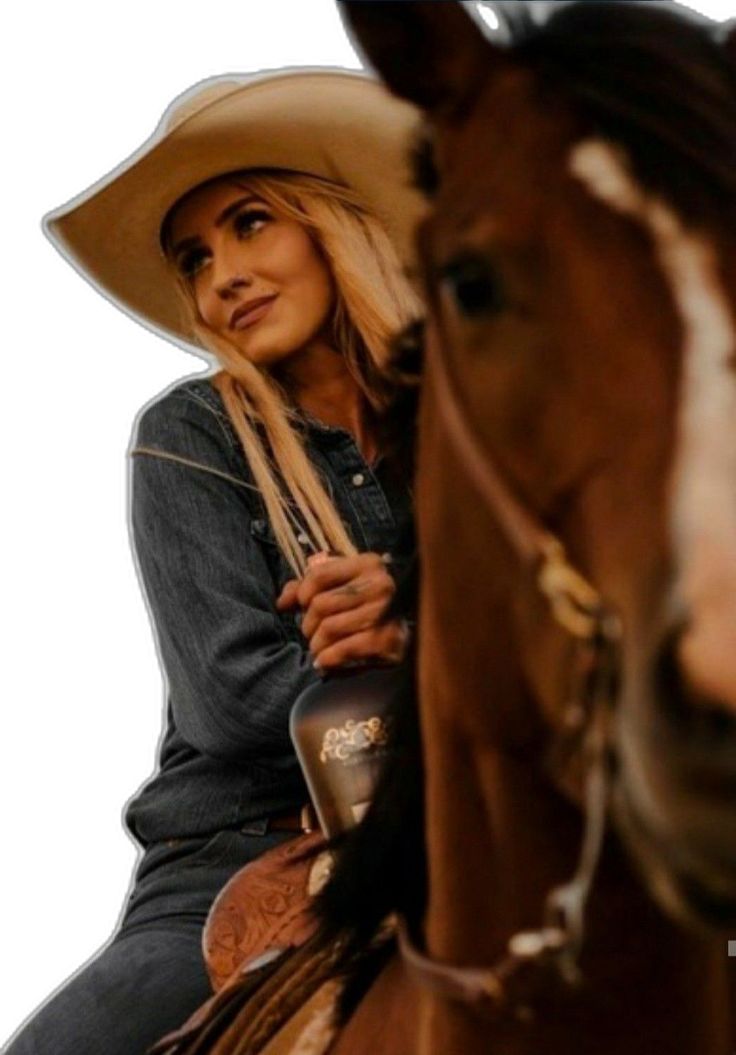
pixel 266 355
pixel 275 353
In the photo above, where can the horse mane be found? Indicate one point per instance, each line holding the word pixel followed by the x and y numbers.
pixel 656 79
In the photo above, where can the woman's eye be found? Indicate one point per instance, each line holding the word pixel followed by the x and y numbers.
pixel 244 223
pixel 474 285
pixel 191 262
pixel 248 220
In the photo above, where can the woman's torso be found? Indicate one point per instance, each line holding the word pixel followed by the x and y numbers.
pixel 211 569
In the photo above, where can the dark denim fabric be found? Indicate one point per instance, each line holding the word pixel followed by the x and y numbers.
pixel 211 571
pixel 150 976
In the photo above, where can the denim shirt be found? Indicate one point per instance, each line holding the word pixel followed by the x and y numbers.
pixel 211 570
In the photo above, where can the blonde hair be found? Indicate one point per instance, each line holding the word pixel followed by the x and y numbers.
pixel 374 300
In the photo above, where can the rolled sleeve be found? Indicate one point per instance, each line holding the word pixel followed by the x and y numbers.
pixel 233 673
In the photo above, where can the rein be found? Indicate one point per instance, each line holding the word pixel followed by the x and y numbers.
pixel 578 608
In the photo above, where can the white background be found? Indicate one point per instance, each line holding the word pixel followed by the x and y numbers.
pixel 84 86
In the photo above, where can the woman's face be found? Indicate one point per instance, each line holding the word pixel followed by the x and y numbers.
pixel 234 250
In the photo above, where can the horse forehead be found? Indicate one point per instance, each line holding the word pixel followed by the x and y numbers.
pixel 504 160
pixel 511 130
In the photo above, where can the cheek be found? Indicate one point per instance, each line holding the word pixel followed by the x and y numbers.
pixel 312 283
pixel 314 292
pixel 514 405
pixel 324 292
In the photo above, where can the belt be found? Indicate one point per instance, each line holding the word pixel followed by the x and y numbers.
pixel 303 820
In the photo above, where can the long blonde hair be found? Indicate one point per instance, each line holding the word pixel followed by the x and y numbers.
pixel 374 300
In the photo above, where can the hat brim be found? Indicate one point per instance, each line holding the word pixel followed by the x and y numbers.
pixel 340 124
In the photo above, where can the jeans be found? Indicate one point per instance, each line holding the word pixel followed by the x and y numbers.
pixel 150 976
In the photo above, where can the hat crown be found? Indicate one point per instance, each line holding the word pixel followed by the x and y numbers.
pixel 195 99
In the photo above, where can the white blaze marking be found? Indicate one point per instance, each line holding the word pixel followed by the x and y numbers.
pixel 704 478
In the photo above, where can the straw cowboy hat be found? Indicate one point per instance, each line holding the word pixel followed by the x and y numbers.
pixel 340 124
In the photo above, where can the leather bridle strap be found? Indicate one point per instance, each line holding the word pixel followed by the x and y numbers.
pixel 576 606
pixel 487 990
pixel 552 951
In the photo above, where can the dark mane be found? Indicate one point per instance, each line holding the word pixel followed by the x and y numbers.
pixel 653 76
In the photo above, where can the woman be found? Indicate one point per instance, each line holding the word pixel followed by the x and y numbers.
pixel 267 521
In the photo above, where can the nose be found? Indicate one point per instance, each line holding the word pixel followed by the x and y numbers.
pixel 228 273
pixel 226 284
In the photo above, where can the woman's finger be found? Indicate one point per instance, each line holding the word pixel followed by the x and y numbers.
pixel 289 592
pixel 387 642
pixel 350 595
pixel 345 624
pixel 288 596
pixel 336 572
pixel 319 558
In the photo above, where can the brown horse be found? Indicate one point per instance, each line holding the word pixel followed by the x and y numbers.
pixel 579 267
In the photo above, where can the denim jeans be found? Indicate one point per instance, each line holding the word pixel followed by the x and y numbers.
pixel 150 976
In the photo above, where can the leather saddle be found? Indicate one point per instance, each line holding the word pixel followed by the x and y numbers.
pixel 258 922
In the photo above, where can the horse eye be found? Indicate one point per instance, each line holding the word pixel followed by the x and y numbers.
pixel 474 284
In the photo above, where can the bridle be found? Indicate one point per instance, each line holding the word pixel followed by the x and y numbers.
pixel 576 606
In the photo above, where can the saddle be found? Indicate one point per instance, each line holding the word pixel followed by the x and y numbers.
pixel 275 980
pixel 264 909
pixel 257 925
pixel 271 972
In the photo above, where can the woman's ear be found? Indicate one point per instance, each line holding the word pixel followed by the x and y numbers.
pixel 432 54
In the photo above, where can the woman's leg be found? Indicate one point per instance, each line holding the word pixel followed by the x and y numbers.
pixel 146 982
pixel 151 976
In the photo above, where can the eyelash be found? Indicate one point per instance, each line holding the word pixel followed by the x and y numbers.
pixel 250 214
pixel 241 223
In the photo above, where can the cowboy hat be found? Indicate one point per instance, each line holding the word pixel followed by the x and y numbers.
pixel 335 123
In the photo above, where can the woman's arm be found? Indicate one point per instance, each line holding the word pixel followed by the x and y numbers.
pixel 232 672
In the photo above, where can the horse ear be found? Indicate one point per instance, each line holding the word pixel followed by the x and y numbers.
pixel 432 54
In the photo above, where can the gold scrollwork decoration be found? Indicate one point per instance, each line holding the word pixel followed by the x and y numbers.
pixel 339 744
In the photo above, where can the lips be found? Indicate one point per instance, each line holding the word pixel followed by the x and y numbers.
pixel 250 311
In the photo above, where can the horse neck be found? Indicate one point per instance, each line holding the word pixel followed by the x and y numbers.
pixel 499 838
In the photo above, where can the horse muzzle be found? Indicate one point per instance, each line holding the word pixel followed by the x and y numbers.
pixel 674 798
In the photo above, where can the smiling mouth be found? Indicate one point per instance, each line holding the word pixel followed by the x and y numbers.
pixel 248 318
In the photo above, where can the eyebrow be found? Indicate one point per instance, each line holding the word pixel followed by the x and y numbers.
pixel 226 213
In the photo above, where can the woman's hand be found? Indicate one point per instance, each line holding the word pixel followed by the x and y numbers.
pixel 342 600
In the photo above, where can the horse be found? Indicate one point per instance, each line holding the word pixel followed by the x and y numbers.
pixel 576 518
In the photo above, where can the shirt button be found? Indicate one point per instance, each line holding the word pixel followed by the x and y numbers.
pixel 358 479
pixel 301 537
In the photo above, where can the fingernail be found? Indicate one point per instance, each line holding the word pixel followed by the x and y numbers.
pixel 317 558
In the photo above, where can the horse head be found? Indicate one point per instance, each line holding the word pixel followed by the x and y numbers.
pixel 578 264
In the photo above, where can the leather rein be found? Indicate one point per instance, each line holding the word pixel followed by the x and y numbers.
pixel 576 606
